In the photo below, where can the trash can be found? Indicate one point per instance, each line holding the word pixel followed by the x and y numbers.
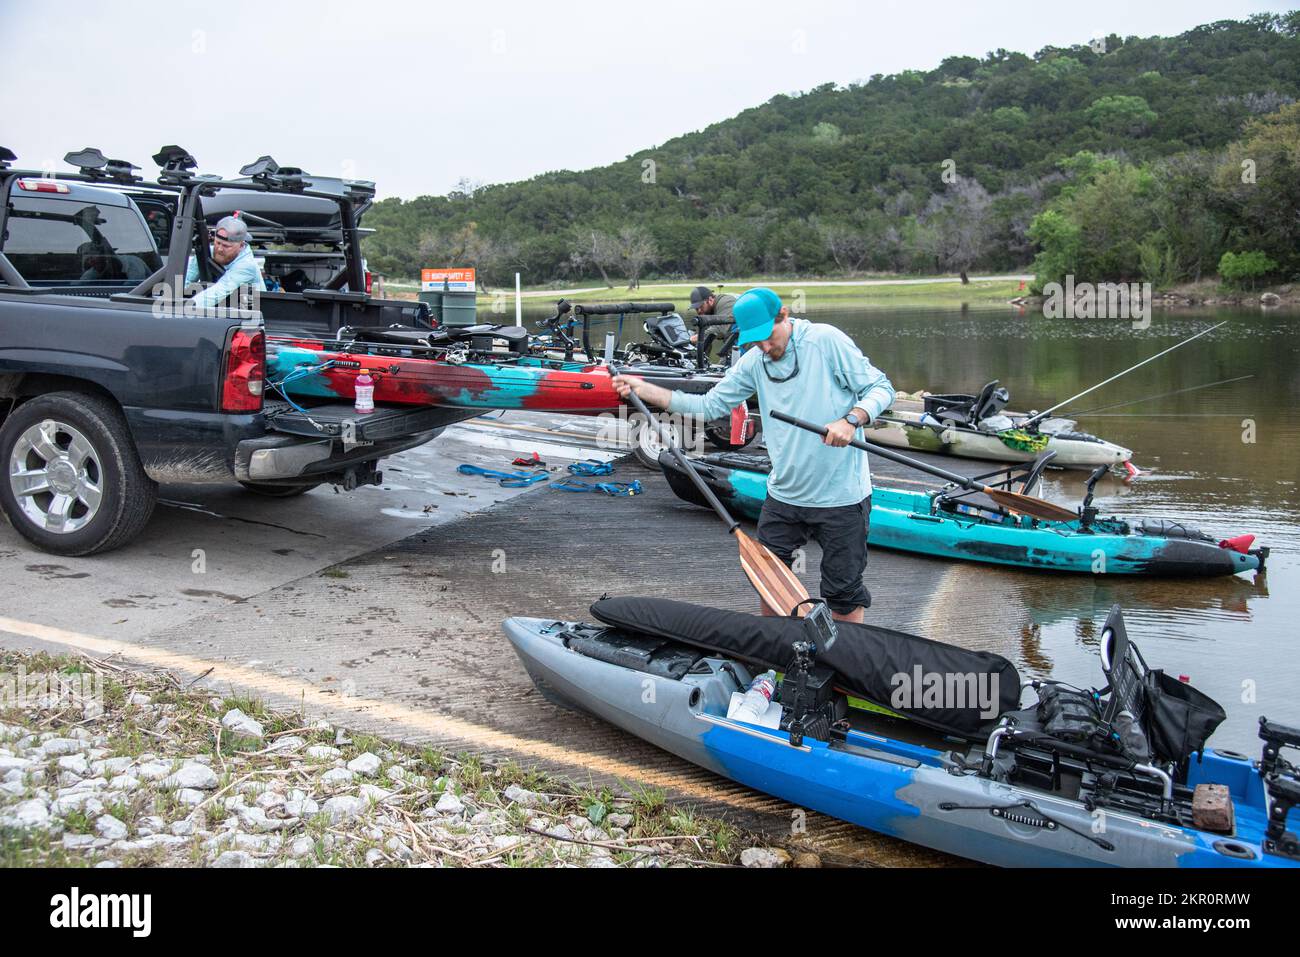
pixel 459 308
pixel 434 299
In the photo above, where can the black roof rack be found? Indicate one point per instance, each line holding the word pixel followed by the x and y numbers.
pixel 94 165
pixel 175 163
pixel 271 175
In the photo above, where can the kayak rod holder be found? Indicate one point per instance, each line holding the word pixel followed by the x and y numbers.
pixel 752 732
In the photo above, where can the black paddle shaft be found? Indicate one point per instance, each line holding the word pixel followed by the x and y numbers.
pixel 885 453
pixel 680 456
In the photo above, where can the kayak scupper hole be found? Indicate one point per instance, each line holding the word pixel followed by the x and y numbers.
pixel 693 702
pixel 1231 755
pixel 1233 849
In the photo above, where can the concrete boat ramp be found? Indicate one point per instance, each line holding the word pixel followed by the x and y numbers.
pixel 381 609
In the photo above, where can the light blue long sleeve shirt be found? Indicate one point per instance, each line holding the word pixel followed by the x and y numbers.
pixel 834 377
pixel 242 271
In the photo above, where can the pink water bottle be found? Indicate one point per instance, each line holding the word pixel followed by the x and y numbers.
pixel 365 393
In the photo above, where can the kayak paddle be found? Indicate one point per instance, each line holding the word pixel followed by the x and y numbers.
pixel 778 587
pixel 1013 500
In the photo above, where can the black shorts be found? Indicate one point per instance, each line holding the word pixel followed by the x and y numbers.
pixel 842 534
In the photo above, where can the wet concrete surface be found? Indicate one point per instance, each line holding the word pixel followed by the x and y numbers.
pixel 396 613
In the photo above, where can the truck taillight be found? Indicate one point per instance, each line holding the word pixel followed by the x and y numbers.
pixel 370 281
pixel 42 186
pixel 245 372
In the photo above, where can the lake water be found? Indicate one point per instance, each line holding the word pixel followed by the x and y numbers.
pixel 1238 639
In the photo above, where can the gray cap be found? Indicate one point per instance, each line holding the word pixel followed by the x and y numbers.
pixel 236 230
pixel 699 294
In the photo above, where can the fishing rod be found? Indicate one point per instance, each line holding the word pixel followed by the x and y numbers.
pixel 1164 395
pixel 1037 417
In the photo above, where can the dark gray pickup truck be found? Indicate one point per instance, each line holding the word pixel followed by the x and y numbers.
pixel 109 385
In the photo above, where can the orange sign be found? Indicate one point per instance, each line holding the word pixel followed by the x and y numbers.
pixel 456 280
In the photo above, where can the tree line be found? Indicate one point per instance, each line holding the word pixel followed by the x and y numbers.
pixel 1118 159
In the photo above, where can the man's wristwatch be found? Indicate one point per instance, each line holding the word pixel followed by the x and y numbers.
pixel 853 420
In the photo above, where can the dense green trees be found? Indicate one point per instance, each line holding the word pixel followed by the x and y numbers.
pixel 1143 158
pixel 1179 218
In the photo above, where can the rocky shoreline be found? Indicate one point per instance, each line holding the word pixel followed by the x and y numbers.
pixel 1197 297
pixel 147 771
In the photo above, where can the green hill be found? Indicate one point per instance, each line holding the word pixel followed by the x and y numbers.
pixel 922 171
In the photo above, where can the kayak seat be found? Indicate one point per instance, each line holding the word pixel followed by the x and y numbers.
pixel 950 689
pixel 967 410
pixel 669 330
pixel 654 656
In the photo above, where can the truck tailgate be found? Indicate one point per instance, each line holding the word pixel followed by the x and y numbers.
pixel 340 420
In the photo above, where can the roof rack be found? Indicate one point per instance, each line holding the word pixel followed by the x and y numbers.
pixel 274 177
pixel 7 156
pixel 175 163
pixel 95 166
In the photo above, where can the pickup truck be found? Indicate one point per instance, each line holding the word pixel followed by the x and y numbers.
pixel 109 385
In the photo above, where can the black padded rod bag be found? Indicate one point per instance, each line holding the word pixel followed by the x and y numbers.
pixel 865 658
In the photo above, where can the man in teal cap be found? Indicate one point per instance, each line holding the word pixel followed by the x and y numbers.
pixel 817 489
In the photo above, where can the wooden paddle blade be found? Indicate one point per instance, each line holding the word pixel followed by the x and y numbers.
pixel 1031 506
pixel 780 589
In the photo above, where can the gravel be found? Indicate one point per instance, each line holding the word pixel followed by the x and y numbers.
pixel 282 791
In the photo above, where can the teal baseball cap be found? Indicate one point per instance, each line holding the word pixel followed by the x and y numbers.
pixel 755 315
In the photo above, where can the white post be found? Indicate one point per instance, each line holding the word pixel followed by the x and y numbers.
pixel 519 303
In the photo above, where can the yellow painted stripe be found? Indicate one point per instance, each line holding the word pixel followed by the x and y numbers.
pixel 474 735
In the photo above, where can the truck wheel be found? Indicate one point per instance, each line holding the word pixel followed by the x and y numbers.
pixel 73 483
pixel 268 490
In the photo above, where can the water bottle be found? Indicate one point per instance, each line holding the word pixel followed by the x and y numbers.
pixel 365 393
pixel 754 705
pixel 1131 736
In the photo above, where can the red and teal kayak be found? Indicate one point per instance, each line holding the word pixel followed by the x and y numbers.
pixel 318 369
pixel 305 368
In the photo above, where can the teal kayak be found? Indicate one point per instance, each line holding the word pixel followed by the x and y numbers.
pixel 935 523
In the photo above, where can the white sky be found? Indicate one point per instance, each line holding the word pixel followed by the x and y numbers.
pixel 416 95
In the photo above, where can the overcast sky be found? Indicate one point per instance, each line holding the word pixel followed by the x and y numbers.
pixel 416 95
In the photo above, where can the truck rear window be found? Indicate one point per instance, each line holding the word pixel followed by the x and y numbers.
pixel 59 242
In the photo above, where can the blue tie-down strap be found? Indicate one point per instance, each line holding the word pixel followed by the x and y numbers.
pixel 592 467
pixel 616 489
pixel 505 479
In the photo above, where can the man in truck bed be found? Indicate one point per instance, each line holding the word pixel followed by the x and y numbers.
pixel 231 251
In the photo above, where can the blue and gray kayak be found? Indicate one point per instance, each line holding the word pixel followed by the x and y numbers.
pixel 960 765
pixel 951 523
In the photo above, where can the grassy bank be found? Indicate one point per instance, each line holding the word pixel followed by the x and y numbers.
pixel 799 294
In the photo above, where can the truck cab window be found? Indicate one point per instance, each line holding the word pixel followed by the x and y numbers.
pixel 74 242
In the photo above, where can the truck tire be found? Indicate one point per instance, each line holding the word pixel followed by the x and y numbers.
pixel 72 482
pixel 269 490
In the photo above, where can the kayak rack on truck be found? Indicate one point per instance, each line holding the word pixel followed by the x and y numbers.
pixel 109 386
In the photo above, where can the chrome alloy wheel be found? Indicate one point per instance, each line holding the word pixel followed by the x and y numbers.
pixel 55 476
